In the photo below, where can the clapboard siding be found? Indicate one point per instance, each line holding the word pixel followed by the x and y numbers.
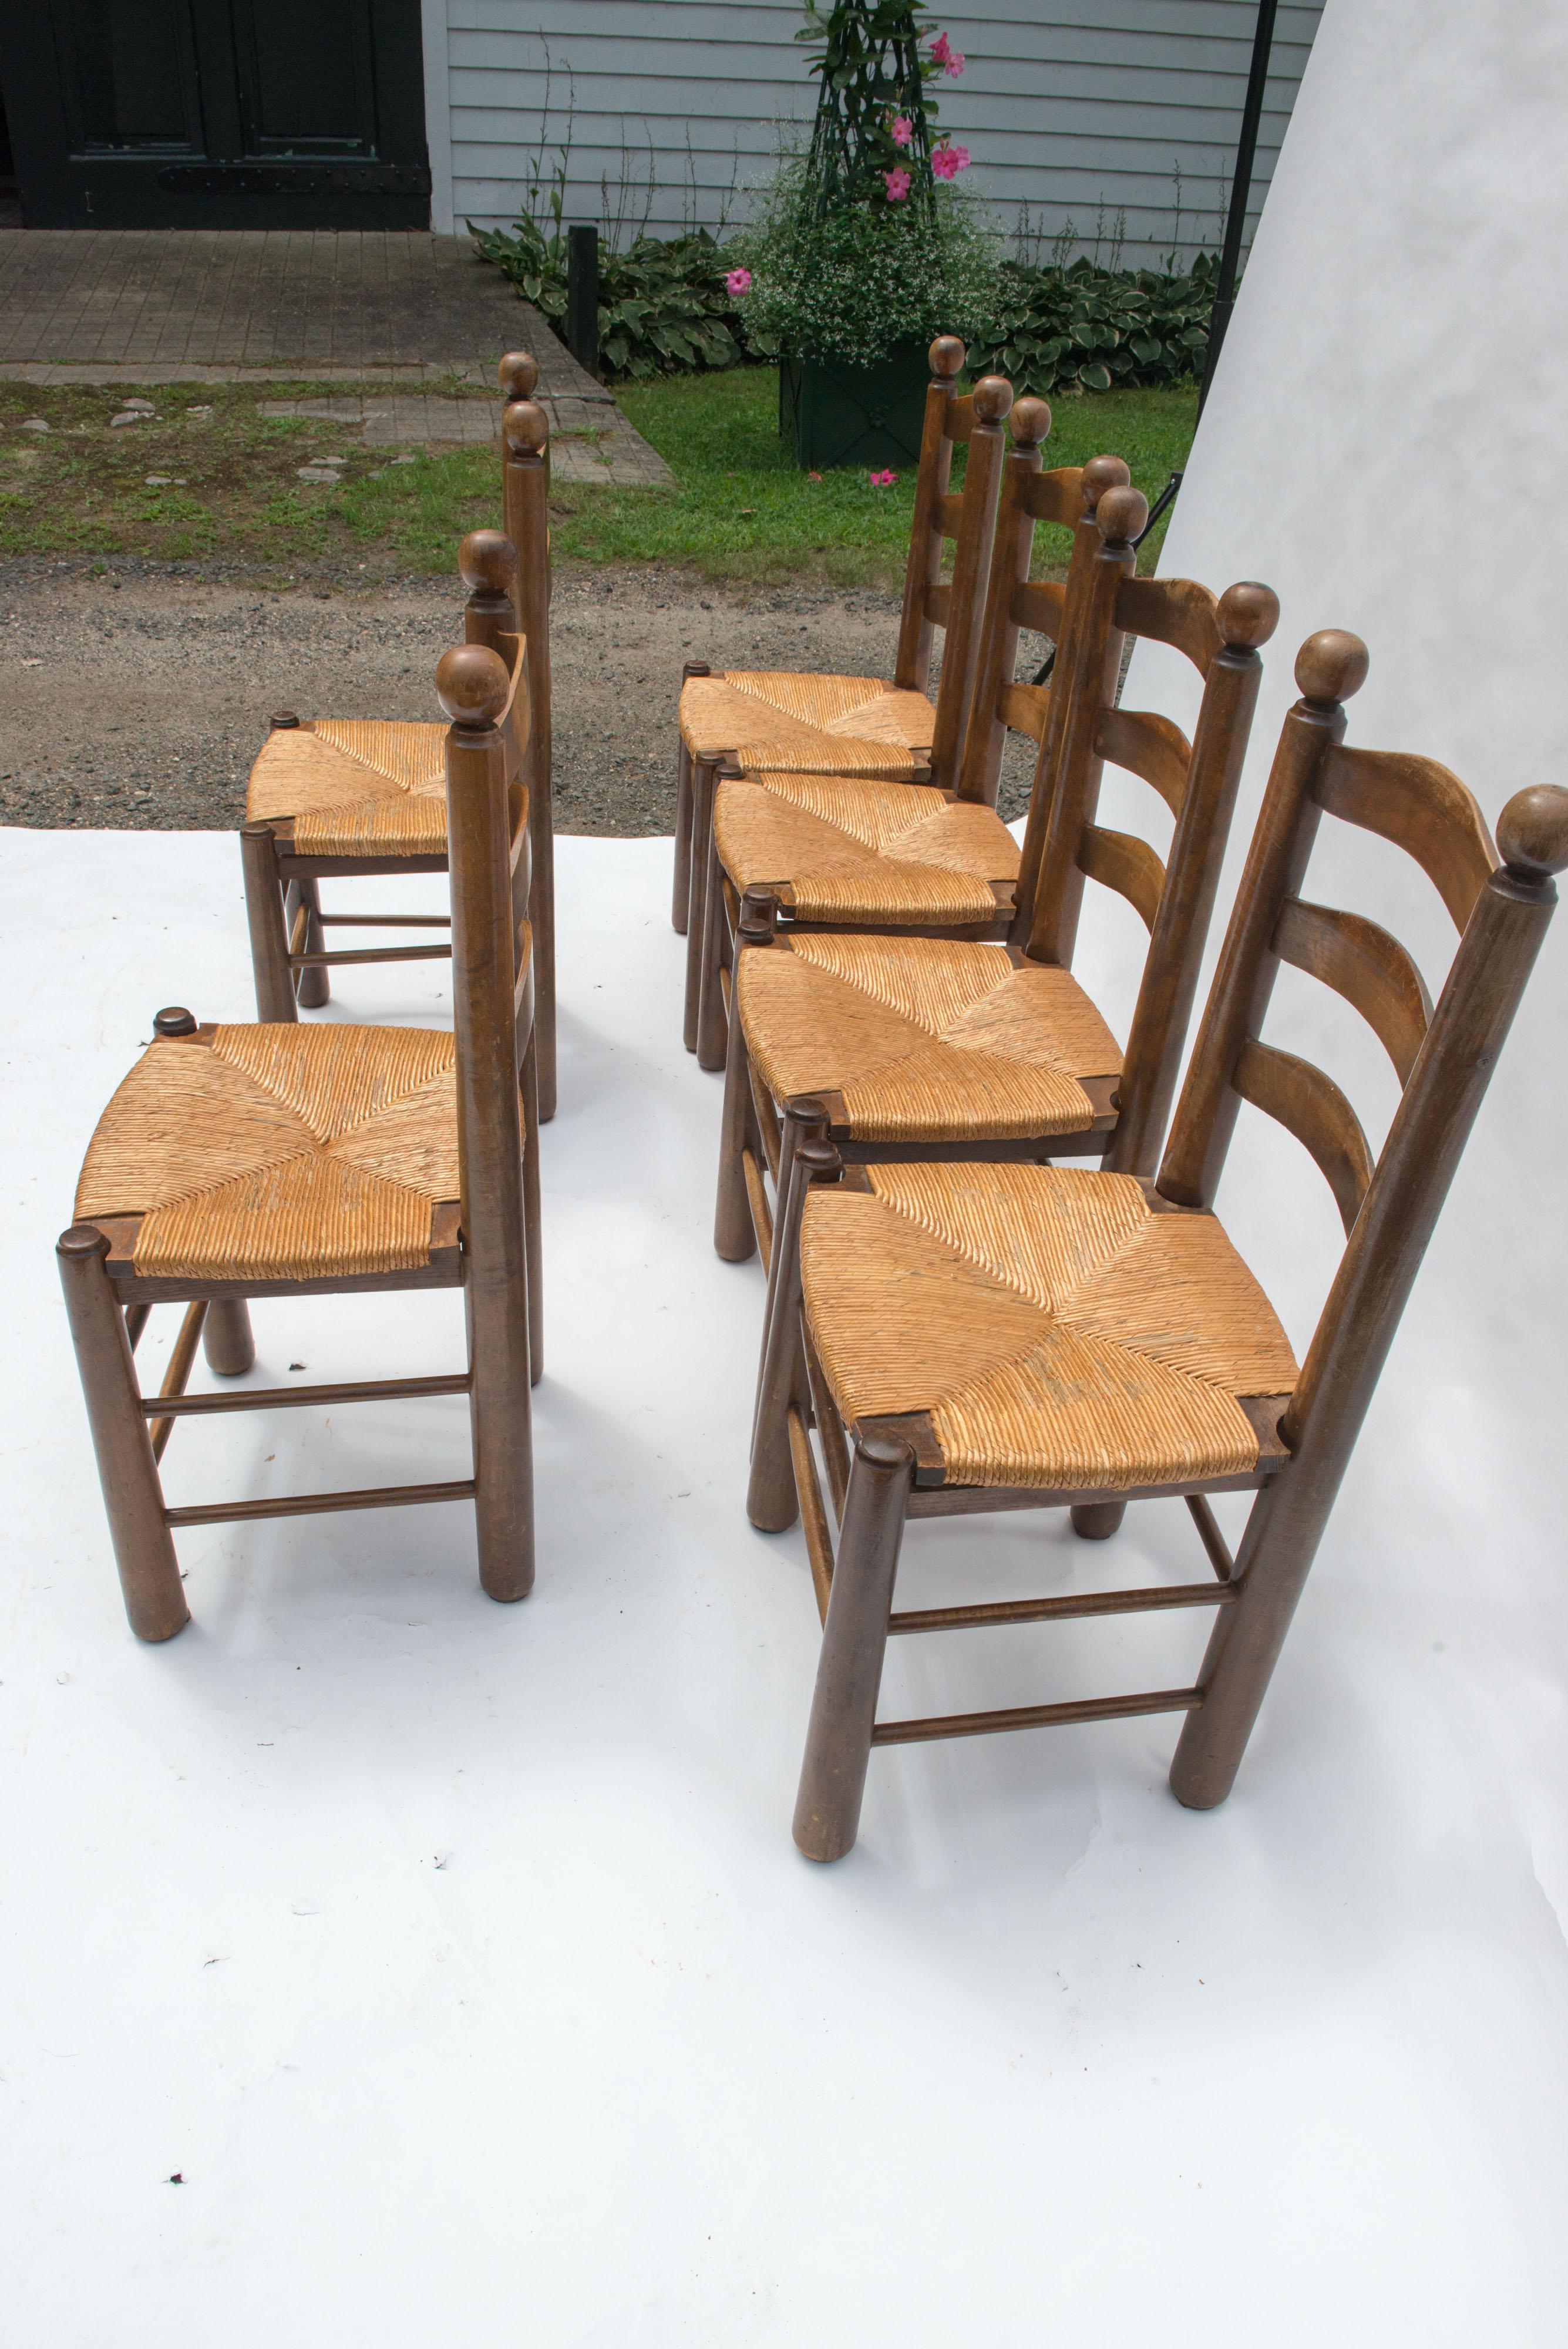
pixel 670 107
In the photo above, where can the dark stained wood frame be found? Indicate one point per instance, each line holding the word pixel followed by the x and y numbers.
pixel 960 607
pixel 1080 724
pixel 509 581
pixel 485 1242
pixel 881 1472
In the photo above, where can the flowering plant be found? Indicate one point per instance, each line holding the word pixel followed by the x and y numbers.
pixel 875 61
pixel 849 285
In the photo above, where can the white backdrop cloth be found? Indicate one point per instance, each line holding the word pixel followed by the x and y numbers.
pixel 457 1957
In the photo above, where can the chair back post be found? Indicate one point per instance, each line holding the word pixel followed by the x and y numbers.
pixel 1355 1330
pixel 473 687
pixel 526 430
pixel 517 373
pixel 1247 614
pixel 1330 667
pixel 1093 664
pixel 1100 474
pixel 912 665
pixel 989 403
pixel 1028 425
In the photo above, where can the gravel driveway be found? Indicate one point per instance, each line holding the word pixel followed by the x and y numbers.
pixel 139 698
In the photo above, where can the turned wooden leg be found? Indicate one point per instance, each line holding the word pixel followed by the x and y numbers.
pixel 1098 1520
pixel 1272 1568
pixel 313 987
pixel 680 893
pixel 533 1223
pixel 712 1026
pixel 133 1498
pixel 226 1338
pixel 854 1640
pixel 501 1421
pixel 805 1120
pixel 269 937
pixel 772 1502
pixel 734 1233
pixel 701 834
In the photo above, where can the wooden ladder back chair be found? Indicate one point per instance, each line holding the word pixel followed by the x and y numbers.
pixel 1079 1339
pixel 895 713
pixel 525 480
pixel 862 850
pixel 762 1115
pixel 905 1050
pixel 284 1160
pixel 850 730
pixel 353 797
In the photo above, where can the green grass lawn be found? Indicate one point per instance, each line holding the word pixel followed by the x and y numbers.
pixel 745 512
pixel 225 485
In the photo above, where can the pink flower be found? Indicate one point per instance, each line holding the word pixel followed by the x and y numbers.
pixel 897 185
pixel 883 480
pixel 814 476
pixel 955 64
pixel 947 163
pixel 903 130
pixel 943 54
pixel 739 281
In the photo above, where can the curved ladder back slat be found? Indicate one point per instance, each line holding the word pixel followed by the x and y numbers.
pixel 949 512
pixel 1312 1107
pixel 1148 746
pixel 958 418
pixel 1122 862
pixel 936 603
pixel 1026 708
pixel 1422 809
pixel 1176 612
pixel 1365 965
pixel 1040 604
pixel 1056 496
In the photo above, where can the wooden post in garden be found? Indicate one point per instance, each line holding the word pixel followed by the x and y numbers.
pixel 583 297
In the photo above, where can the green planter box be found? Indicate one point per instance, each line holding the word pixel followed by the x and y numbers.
pixel 834 415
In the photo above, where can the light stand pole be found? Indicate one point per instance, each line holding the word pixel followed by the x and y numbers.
pixel 1241 190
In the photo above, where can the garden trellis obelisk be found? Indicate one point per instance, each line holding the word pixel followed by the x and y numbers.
pixel 873 117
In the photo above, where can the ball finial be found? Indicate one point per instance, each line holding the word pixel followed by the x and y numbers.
pixel 1100 474
pixel 1532 833
pixel 1332 665
pixel 471 684
pixel 1121 514
pixel 524 428
pixel 992 397
pixel 488 562
pixel 1029 422
pixel 518 373
pixel 947 357
pixel 1249 614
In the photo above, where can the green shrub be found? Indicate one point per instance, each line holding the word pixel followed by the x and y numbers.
pixel 1090 330
pixel 849 283
pixel 663 303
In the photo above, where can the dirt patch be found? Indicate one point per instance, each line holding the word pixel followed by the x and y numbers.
pixel 139 699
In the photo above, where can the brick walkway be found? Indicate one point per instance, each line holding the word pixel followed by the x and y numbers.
pixel 151 306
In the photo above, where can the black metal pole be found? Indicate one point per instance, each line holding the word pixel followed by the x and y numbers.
pixel 583 297
pixel 1241 190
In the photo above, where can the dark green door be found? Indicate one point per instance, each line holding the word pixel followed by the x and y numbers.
pixel 217 113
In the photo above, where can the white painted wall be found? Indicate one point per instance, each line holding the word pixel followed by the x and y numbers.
pixel 1078 111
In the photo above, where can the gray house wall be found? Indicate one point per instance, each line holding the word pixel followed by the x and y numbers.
pixel 1097 122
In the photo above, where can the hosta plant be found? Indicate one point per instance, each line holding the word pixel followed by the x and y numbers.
pixel 664 304
pixel 1085 328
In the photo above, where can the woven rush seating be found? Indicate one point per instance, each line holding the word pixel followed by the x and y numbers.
pixel 279 1152
pixel 1056 1329
pixel 807 724
pixel 353 786
pixel 919 1040
pixel 835 851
